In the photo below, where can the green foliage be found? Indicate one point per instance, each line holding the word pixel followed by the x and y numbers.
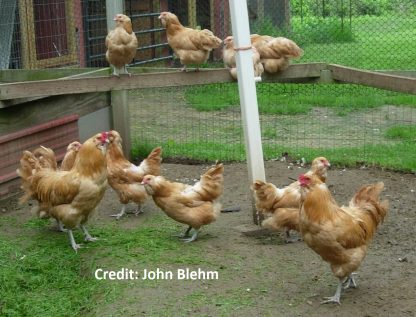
pixel 313 30
pixel 325 8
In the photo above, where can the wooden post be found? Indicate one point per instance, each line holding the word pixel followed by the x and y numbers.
pixel 119 98
pixel 121 118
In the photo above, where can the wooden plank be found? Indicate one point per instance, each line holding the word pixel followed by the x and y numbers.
pixel 106 83
pixel 121 118
pixel 296 72
pixel 17 75
pixel 36 112
pixel 149 80
pixel 373 79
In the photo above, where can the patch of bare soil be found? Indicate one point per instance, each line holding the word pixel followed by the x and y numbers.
pixel 260 275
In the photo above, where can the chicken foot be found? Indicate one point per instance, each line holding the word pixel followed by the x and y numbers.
pixel 139 209
pixel 87 235
pixel 186 234
pixel 74 245
pixel 61 226
pixel 120 214
pixel 350 281
pixel 194 236
pixel 292 239
pixel 337 296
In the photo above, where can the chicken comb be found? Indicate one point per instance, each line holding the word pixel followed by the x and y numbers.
pixel 302 179
pixel 104 136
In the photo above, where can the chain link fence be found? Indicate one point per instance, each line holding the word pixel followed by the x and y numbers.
pixel 349 123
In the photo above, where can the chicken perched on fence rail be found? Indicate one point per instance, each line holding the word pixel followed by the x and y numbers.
pixel 282 204
pixel 275 52
pixel 192 205
pixel 125 177
pixel 340 235
pixel 189 45
pixel 68 196
pixel 228 56
pixel 121 44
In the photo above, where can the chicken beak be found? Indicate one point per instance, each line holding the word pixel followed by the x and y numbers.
pixel 115 18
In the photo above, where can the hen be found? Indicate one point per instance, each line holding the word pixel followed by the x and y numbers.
pixel 70 156
pixel 283 203
pixel 125 177
pixel 230 62
pixel 192 205
pixel 121 44
pixel 340 235
pixel 189 45
pixel 69 196
pixel 275 52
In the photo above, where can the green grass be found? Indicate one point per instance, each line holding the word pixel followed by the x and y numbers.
pixel 403 132
pixel 292 99
pixel 41 276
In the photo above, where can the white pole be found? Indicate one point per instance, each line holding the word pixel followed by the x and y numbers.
pixel 247 90
pixel 113 7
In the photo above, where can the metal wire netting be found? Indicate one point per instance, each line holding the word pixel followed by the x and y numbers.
pixel 203 122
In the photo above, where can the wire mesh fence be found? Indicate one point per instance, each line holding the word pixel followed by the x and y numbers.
pixel 354 123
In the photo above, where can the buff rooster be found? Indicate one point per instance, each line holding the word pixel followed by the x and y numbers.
pixel 189 45
pixel 282 204
pixel 70 197
pixel 275 52
pixel 121 44
pixel 228 55
pixel 192 205
pixel 340 235
pixel 125 177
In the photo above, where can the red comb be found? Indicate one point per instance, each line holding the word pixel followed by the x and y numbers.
pixel 104 136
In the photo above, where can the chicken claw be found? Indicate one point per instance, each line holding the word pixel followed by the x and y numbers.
pixel 88 237
pixel 186 234
pixel 74 245
pixel 337 296
pixel 120 214
pixel 139 210
pixel 193 238
pixel 61 226
pixel 350 281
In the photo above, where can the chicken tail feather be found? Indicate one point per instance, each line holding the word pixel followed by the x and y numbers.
pixel 368 199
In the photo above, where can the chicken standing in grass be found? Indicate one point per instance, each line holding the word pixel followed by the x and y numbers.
pixel 69 196
pixel 192 205
pixel 121 44
pixel 340 235
pixel 125 177
pixel 189 45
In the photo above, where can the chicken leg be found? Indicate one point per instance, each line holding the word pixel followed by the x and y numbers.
pixel 337 296
pixel 87 235
pixel 121 213
pixel 61 226
pixel 139 209
pixel 350 281
pixel 194 236
pixel 74 245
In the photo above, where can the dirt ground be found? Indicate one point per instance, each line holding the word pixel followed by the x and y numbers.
pixel 272 278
